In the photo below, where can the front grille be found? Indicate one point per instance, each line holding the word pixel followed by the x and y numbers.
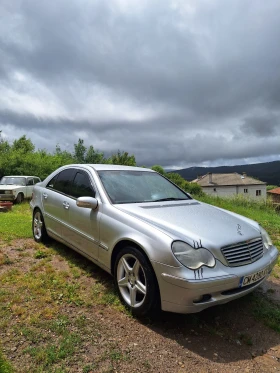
pixel 242 253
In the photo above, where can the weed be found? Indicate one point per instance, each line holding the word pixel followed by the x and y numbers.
pixel 116 355
pixel 76 272
pixel 88 368
pixel 7 260
pixel 81 321
pixel 39 254
pixel 59 325
pixel 5 366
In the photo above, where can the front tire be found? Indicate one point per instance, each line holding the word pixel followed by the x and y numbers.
pixel 136 282
pixel 38 227
pixel 19 198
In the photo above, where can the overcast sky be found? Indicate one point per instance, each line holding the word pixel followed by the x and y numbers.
pixel 178 83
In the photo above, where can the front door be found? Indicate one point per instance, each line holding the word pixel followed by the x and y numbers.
pixel 53 197
pixel 81 227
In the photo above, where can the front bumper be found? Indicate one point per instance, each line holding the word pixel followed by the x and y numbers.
pixel 7 197
pixel 183 293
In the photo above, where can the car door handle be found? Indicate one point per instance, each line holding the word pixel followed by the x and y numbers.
pixel 45 195
pixel 66 205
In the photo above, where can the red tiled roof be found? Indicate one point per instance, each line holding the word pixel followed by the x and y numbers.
pixel 274 191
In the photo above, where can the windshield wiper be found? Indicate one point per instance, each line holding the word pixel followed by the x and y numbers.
pixel 170 199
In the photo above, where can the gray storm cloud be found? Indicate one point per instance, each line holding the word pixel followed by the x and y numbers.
pixel 177 83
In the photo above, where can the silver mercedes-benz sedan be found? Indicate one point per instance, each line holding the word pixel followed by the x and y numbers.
pixel 164 249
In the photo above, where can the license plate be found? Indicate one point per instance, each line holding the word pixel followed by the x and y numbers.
pixel 254 277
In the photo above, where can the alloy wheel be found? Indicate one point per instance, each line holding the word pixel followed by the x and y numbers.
pixel 131 280
pixel 37 226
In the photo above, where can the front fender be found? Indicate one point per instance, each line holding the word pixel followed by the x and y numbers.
pixel 117 226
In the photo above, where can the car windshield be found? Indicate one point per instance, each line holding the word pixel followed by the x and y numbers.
pixel 139 186
pixel 9 180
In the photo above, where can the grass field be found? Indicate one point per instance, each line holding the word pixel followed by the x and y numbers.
pixel 16 224
pixel 47 291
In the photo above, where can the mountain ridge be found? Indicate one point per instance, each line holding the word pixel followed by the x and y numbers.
pixel 268 172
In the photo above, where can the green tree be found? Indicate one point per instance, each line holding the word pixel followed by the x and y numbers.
pixel 158 169
pixel 122 158
pixel 93 156
pixel 177 179
pixel 23 145
pixel 80 151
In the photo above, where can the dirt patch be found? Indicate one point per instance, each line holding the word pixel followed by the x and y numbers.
pixel 222 339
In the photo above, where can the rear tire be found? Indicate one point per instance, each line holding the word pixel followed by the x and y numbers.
pixel 136 282
pixel 38 227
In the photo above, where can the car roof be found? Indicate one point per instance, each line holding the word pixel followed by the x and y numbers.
pixel 111 167
pixel 21 176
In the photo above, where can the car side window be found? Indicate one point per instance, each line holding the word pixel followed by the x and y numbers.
pixel 29 181
pixel 62 182
pixel 36 180
pixel 81 186
pixel 51 182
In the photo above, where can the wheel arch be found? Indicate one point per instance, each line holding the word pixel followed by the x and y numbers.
pixel 18 193
pixel 120 245
pixel 36 208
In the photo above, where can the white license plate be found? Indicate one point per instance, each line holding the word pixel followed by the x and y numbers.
pixel 254 277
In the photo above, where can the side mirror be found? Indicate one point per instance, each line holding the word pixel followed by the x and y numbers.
pixel 87 202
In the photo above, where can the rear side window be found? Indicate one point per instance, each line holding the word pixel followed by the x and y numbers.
pixel 81 186
pixel 62 182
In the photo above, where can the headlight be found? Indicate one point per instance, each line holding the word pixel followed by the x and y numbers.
pixel 266 239
pixel 8 192
pixel 192 258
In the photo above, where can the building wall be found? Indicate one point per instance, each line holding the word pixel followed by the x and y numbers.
pixel 274 197
pixel 228 191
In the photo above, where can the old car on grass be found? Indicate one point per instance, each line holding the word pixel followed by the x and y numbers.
pixel 164 249
pixel 17 188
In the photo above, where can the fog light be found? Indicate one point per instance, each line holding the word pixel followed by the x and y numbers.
pixel 203 298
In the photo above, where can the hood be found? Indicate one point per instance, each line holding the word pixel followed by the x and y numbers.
pixel 9 187
pixel 195 222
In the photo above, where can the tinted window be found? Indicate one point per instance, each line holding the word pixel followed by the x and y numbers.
pixel 51 182
pixel 81 186
pixel 62 182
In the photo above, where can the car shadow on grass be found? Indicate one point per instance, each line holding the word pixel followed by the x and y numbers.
pixel 240 330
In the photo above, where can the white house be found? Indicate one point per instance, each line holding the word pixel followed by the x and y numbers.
pixel 226 185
